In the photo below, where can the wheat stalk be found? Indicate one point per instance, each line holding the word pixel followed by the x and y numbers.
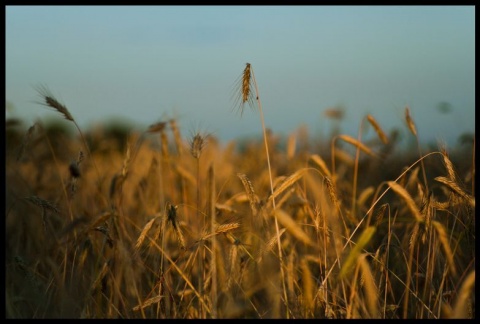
pixel 381 134
pixel 292 227
pixel 344 157
pixel 364 195
pixel 211 196
pixel 455 188
pixel 172 219
pixel 103 272
pixel 25 141
pixel 248 77
pixel 443 237
pixel 287 183
pixel 380 214
pixel 197 144
pixel 160 129
pixel 291 146
pixel 413 129
pixel 357 144
pixel 354 254
pixel 144 232
pixel 183 275
pixel 252 197
pixel 45 204
pixel 106 232
pixel 244 86
pixel 232 257
pixel 185 174
pixel 426 211
pixel 268 246
pixel 307 285
pixel 410 122
pixel 448 166
pixel 463 297
pixel 176 136
pixel 332 193
pixel 371 290
pixel 223 228
pixel 148 302
pixel 49 100
pixel 321 164
pixel 407 198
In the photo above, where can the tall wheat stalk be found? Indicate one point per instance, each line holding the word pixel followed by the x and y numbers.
pixel 413 129
pixel 246 96
pixel 196 146
pixel 211 211
pixel 49 100
pixel 383 137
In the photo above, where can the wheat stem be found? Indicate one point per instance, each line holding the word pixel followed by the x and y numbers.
pixel 280 254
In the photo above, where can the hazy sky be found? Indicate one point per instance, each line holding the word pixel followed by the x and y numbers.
pixel 145 64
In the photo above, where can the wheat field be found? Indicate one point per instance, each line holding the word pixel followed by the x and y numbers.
pixel 155 224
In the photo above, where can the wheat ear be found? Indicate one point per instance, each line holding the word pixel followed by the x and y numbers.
pixel 413 129
pixel 408 199
pixel 252 197
pixel 381 134
pixel 49 100
pixel 460 309
pixel 248 78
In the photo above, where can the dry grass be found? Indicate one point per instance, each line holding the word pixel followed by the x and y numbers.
pixel 143 230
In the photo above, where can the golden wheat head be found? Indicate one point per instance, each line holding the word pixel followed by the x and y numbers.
pixel 410 123
pixel 244 89
pixel 50 101
pixel 197 144
pixel 376 126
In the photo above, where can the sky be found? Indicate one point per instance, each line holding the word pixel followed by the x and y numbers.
pixel 145 64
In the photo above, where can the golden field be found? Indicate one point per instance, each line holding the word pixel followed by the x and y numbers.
pixel 156 224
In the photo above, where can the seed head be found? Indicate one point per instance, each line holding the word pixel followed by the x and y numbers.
pixel 197 144
pixel 243 88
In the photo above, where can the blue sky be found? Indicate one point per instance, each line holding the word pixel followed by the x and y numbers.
pixel 144 64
